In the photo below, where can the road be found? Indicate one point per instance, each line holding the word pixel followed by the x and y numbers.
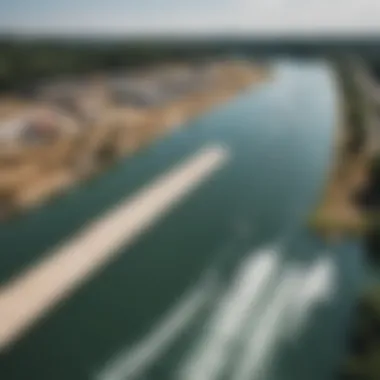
pixel 191 260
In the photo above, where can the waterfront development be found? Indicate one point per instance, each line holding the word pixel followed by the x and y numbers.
pixel 69 130
pixel 191 259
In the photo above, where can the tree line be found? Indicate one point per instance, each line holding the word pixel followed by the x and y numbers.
pixel 23 63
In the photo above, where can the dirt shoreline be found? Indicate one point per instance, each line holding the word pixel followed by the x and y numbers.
pixel 339 215
pixel 31 175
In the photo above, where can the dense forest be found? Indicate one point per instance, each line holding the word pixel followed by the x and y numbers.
pixel 23 61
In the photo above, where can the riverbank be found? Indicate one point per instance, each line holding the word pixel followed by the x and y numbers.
pixel 339 213
pixel 125 121
pixel 349 207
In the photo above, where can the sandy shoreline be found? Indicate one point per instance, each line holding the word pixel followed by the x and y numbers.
pixel 338 214
pixel 30 176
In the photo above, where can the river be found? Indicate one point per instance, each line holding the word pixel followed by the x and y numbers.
pixel 227 282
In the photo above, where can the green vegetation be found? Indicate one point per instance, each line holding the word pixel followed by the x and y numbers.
pixel 370 201
pixel 355 108
pixel 25 62
pixel 363 362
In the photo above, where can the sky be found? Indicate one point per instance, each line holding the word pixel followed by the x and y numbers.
pixel 190 16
